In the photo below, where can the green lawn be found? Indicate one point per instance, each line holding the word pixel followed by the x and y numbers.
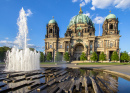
pixel 54 63
pixel 47 63
pixel 103 63
pixel 51 63
pixel 2 62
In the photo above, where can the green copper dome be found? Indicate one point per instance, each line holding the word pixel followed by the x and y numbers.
pixel 110 16
pixel 52 21
pixel 79 19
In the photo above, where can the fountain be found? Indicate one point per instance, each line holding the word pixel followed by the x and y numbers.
pixel 22 59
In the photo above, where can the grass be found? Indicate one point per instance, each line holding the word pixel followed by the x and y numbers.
pixel 2 62
pixel 103 63
pixel 47 63
pixel 51 63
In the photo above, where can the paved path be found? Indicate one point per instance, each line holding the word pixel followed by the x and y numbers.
pixel 125 69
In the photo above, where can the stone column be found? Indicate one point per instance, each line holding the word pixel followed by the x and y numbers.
pixel 69 47
pixel 108 29
pixel 93 45
pixel 88 47
pixel 103 44
pixel 47 45
pixel 117 43
pixel 64 46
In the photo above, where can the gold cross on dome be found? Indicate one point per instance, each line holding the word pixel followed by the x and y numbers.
pixel 110 11
pixel 80 5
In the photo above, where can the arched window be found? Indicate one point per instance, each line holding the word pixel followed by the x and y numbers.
pixel 111 26
pixel 67 47
pixel 50 46
pixel 60 46
pixel 50 31
pixel 79 34
pixel 111 44
pixel 98 45
pixel 105 26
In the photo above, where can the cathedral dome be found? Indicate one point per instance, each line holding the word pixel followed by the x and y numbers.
pixel 81 19
pixel 52 21
pixel 110 16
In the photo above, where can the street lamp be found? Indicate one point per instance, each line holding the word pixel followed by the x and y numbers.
pixel 119 53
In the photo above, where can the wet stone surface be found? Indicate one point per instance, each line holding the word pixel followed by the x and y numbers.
pixel 62 80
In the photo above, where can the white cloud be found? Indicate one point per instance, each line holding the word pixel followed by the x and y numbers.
pixel 87 1
pixel 7 43
pixel 33 46
pixel 29 13
pixel 93 8
pixel 74 0
pixel 123 4
pixel 101 3
pixel 12 43
pixel 82 4
pixel 87 14
pixel 99 20
pixel 6 38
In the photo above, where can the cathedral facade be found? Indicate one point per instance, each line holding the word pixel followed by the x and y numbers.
pixel 80 37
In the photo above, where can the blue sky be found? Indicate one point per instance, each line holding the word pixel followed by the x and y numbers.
pixel 62 10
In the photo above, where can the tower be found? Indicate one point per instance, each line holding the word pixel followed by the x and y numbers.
pixel 110 25
pixel 52 29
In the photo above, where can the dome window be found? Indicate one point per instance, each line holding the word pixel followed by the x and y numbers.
pixel 50 31
pixel 50 46
pixel 111 26
pixel 79 34
pixel 60 46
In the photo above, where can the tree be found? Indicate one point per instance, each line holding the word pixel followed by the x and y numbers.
pixel 83 56
pixel 58 57
pixel 66 56
pixel 94 56
pixel 115 56
pixel 102 57
pixel 124 56
pixel 129 58
pixel 49 57
pixel 3 51
pixel 42 57
pixel 32 49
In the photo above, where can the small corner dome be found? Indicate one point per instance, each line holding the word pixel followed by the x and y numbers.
pixel 52 21
pixel 110 16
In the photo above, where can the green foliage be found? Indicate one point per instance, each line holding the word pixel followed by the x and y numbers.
pixel 66 56
pixel 115 56
pixel 32 49
pixel 58 57
pixel 124 56
pixel 94 56
pixel 3 51
pixel 83 56
pixel 49 57
pixel 102 57
pixel 42 57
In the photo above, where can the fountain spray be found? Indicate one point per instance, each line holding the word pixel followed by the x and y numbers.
pixel 22 59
